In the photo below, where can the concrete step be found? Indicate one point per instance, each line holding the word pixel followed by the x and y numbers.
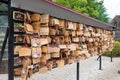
pixel 5 49
pixel 2 44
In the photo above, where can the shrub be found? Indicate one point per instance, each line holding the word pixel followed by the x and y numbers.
pixel 115 51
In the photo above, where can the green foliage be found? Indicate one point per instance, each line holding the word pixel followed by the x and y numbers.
pixel 92 8
pixel 116 50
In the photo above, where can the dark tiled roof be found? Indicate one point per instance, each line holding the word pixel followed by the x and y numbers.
pixel 117 35
pixel 81 15
pixel 56 10
pixel 116 23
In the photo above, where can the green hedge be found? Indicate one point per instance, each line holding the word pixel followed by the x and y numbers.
pixel 116 50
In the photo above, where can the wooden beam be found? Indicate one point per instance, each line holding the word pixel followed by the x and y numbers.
pixel 3 1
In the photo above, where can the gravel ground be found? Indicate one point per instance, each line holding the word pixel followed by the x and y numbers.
pixel 89 70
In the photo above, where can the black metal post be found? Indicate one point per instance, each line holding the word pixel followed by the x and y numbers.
pixel 100 62
pixel 4 44
pixel 98 58
pixel 10 44
pixel 111 56
pixel 77 70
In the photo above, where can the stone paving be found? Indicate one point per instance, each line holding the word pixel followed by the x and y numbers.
pixel 89 70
